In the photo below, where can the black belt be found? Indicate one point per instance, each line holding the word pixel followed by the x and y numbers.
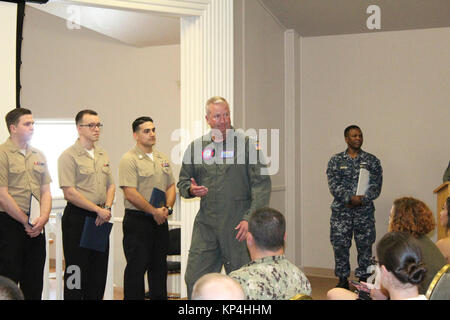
pixel 138 213
pixel 75 209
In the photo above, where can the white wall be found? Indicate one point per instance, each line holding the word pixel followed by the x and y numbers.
pixel 396 87
pixel 259 79
pixel 8 20
pixel 65 71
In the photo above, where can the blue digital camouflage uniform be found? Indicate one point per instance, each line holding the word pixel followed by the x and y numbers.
pixel 271 278
pixel 231 170
pixel 343 174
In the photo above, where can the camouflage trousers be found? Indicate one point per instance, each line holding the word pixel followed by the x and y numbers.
pixel 344 224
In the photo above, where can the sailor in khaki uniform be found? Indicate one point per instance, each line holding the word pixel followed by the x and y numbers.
pixel 145 228
pixel 85 177
pixel 23 172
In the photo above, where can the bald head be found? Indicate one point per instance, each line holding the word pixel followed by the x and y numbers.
pixel 217 286
pixel 9 290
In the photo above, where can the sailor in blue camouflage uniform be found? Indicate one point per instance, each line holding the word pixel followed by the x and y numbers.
pixel 352 214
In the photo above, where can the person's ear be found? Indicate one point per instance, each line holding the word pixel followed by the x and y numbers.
pixel 384 270
pixel 386 275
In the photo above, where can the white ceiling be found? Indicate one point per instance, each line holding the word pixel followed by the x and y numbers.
pixel 135 28
pixel 307 17
pixel 331 17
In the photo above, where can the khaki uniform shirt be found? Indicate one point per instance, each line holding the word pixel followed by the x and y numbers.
pixel 90 177
pixel 22 174
pixel 137 170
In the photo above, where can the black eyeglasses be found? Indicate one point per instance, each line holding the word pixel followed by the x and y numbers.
pixel 92 125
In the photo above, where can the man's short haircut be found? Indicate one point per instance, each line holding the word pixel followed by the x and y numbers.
pixel 9 290
pixel 353 126
pixel 139 121
pixel 80 115
pixel 14 115
pixel 268 228
pixel 215 100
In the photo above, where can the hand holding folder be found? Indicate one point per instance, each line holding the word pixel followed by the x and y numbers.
pixel 35 210
pixel 95 237
pixel 33 214
pixel 158 200
pixel 363 182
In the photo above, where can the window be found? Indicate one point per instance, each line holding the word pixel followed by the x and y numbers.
pixel 52 137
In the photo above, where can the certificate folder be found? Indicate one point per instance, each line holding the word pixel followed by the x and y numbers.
pixel 158 198
pixel 95 237
pixel 35 210
pixel 363 182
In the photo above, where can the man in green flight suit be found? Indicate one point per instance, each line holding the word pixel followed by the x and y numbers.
pixel 226 170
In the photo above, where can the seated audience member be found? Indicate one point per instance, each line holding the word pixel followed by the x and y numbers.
pixel 402 269
pixel 269 276
pixel 444 243
pixel 9 290
pixel 217 286
pixel 412 216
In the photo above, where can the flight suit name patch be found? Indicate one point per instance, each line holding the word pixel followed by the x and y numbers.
pixel 227 154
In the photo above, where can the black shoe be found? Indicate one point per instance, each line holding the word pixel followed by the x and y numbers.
pixel 343 283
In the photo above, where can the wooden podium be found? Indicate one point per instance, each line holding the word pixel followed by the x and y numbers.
pixel 443 191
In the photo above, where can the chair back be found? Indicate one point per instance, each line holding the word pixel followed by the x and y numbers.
pixel 439 288
pixel 301 296
pixel 174 241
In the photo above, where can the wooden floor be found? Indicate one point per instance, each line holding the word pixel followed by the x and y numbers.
pixel 319 285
